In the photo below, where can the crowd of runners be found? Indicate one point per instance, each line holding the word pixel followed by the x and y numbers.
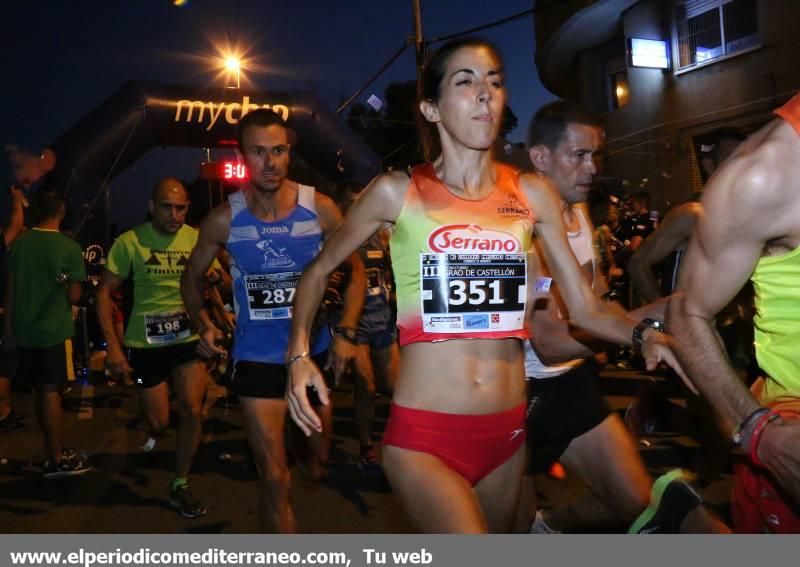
pixel 479 297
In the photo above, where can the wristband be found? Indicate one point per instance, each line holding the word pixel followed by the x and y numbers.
pixel 637 337
pixel 292 359
pixel 761 425
pixel 743 431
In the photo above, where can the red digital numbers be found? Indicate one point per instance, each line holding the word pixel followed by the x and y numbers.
pixel 223 171
pixel 233 170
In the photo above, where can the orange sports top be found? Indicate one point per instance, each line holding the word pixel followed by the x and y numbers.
pixel 791 112
pixel 460 264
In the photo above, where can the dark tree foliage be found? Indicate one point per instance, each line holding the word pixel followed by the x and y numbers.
pixel 392 133
pixel 510 122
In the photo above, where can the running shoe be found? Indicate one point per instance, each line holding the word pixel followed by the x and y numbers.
pixel 66 455
pixel 181 500
pixel 671 500
pixel 368 463
pixel 13 423
pixel 538 526
pixel 70 465
pixel 149 445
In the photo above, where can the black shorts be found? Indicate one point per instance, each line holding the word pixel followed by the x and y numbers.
pixel 48 365
pixel 559 410
pixel 152 366
pixel 377 329
pixel 376 336
pixel 9 360
pixel 9 363
pixel 264 380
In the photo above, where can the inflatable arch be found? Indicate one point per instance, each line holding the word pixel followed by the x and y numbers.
pixel 142 115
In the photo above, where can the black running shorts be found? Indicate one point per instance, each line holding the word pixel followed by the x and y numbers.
pixel 559 410
pixel 48 365
pixel 152 366
pixel 264 380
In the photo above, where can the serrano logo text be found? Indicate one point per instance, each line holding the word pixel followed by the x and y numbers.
pixel 473 238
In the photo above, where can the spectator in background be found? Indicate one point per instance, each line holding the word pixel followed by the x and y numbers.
pixel 669 242
pixel 637 225
pixel 607 245
pixel 43 280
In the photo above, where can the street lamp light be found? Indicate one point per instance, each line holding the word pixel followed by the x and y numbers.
pixel 233 65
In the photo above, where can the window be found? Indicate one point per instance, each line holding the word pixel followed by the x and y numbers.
pixel 620 90
pixel 708 29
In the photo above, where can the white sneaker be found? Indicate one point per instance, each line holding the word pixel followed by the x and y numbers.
pixel 540 527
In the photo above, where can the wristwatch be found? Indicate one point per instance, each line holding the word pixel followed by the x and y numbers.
pixel 638 332
pixel 346 333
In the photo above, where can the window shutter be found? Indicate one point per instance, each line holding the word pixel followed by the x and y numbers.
pixel 697 7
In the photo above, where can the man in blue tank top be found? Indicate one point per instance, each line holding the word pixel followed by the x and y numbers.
pixel 272 229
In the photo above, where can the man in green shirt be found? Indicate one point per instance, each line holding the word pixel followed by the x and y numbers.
pixel 750 230
pixel 43 281
pixel 159 339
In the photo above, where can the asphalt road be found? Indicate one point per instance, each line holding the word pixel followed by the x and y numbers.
pixel 128 488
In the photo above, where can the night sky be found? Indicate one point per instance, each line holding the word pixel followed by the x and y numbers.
pixel 62 58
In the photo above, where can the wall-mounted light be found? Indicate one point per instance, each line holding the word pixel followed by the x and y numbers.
pixel 652 53
pixel 621 92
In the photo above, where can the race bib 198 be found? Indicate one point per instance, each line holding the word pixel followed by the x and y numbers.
pixel 162 329
pixel 270 296
pixel 465 293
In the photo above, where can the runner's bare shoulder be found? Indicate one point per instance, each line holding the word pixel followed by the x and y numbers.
pixel 540 192
pixel 217 223
pixel 384 196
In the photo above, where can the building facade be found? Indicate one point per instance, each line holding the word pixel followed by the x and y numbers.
pixel 709 66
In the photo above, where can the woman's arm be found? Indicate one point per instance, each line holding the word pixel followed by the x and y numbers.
pixel 380 202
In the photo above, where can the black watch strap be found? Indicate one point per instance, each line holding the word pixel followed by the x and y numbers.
pixel 638 332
